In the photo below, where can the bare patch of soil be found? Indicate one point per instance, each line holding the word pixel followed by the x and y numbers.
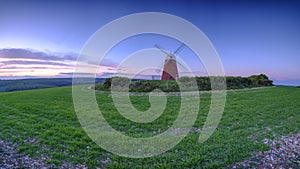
pixel 284 153
pixel 11 158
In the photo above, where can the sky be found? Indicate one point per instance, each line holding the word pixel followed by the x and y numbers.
pixel 44 38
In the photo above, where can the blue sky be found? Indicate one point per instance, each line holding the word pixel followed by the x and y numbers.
pixel 250 37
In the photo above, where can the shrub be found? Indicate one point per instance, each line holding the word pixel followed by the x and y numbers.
pixel 120 83
pixel 186 83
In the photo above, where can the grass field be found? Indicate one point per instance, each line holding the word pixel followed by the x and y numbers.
pixel 44 122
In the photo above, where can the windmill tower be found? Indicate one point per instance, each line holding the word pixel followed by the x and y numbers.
pixel 170 71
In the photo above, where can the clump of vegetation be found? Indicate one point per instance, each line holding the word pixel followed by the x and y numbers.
pixel 186 83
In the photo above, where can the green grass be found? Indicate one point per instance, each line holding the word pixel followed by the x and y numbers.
pixel 44 122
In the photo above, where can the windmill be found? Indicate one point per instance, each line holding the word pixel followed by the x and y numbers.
pixel 170 71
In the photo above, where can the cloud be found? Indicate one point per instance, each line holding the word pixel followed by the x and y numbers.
pixel 15 62
pixel 30 68
pixel 16 53
pixel 26 62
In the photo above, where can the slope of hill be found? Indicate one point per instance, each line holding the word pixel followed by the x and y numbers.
pixel 28 84
pixel 43 123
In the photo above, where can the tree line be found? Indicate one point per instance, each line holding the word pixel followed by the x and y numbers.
pixel 186 83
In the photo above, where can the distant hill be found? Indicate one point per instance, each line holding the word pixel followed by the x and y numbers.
pixel 29 84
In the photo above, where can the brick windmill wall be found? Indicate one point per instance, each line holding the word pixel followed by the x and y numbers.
pixel 170 71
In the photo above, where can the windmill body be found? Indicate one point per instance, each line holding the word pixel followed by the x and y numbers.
pixel 170 70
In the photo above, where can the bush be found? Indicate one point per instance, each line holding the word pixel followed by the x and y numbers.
pixel 186 83
pixel 120 83
pixel 261 80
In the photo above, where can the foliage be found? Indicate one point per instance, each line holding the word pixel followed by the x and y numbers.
pixel 260 80
pixel 47 116
pixel 188 83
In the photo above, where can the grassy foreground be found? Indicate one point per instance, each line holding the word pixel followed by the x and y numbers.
pixel 44 122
